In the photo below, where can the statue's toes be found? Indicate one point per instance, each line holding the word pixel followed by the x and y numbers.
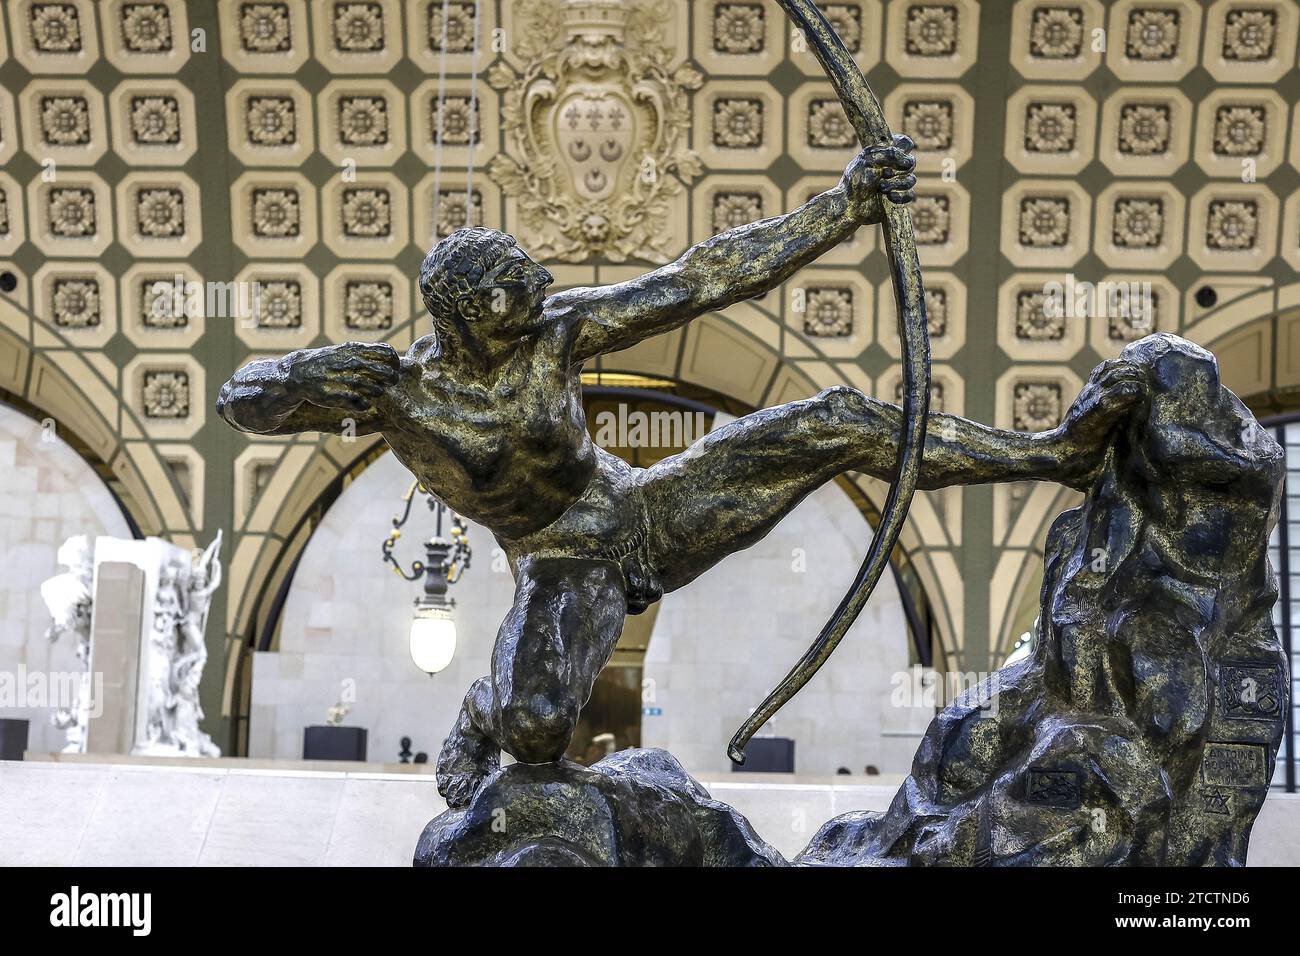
pixel 459 790
pixel 462 767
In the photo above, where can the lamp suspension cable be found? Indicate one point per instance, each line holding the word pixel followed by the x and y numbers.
pixel 473 117
pixel 440 112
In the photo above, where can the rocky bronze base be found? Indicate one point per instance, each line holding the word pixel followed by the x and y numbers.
pixel 1143 731
pixel 635 808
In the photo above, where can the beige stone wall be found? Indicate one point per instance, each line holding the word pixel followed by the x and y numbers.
pixel 721 645
pixel 47 494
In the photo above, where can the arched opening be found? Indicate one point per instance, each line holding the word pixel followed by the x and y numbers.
pixel 51 488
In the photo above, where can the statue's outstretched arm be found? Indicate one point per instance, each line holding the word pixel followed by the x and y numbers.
pixel 741 263
pixel 331 390
pixel 962 452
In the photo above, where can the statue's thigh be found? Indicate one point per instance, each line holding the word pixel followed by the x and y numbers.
pixel 731 488
pixel 561 630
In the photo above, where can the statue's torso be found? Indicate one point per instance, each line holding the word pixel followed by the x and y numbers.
pixel 513 453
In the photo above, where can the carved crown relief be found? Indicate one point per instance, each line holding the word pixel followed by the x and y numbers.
pixel 596 129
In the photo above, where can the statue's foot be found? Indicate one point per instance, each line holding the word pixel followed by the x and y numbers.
pixel 466 759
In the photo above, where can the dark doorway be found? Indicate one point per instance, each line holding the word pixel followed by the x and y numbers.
pixel 611 721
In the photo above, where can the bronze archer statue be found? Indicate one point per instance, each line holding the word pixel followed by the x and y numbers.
pixel 487 412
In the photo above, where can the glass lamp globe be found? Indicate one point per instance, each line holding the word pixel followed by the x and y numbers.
pixel 433 639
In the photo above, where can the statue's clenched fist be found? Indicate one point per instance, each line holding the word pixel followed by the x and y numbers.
pixel 877 171
pixel 349 376
pixel 1111 392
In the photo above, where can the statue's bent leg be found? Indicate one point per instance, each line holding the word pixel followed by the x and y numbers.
pixel 729 489
pixel 560 632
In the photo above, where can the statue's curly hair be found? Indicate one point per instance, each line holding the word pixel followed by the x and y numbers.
pixel 456 265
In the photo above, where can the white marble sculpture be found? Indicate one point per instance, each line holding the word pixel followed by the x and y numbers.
pixel 177 594
pixel 175 656
pixel 69 599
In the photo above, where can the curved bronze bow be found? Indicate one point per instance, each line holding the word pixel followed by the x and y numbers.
pixel 863 111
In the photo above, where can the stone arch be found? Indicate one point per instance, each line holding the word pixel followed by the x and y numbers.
pixel 44 374
pixel 1255 339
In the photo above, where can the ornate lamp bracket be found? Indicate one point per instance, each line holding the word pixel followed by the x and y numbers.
pixel 446 559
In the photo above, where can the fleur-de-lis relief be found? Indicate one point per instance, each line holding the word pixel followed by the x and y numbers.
pixel 597 109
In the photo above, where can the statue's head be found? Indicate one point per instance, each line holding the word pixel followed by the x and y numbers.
pixel 479 279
